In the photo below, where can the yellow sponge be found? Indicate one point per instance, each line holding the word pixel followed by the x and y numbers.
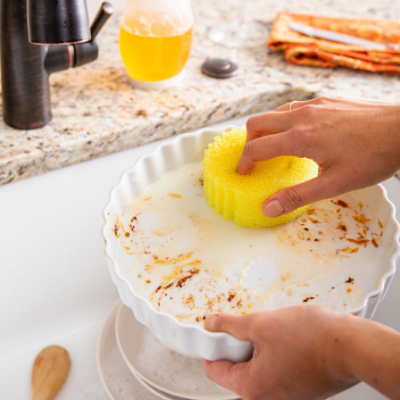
pixel 240 197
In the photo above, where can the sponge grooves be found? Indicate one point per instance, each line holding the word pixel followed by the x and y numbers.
pixel 240 197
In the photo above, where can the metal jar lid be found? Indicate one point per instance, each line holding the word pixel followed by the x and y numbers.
pixel 218 68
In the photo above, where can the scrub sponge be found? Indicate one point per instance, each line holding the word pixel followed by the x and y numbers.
pixel 240 197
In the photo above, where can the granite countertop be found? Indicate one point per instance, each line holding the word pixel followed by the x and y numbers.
pixel 96 111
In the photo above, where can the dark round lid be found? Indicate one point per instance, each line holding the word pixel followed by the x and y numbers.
pixel 218 68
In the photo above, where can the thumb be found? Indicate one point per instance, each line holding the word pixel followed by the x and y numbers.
pixel 237 326
pixel 226 373
pixel 323 187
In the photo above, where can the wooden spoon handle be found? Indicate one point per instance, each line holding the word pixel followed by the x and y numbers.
pixel 49 372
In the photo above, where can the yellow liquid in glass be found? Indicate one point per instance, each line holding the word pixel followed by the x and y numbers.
pixel 154 58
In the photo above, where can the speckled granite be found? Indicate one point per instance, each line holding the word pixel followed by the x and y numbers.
pixel 96 111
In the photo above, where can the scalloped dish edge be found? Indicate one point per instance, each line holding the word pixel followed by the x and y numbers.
pixel 195 339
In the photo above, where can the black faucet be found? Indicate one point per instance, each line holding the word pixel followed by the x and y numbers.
pixel 39 37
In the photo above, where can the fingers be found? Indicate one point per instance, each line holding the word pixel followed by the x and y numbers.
pixel 237 326
pixel 295 104
pixel 267 124
pixel 298 104
pixel 228 375
pixel 221 372
pixel 289 199
pixel 268 147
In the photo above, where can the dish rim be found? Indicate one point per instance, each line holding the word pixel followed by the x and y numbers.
pixel 101 340
pixel 135 371
pixel 214 335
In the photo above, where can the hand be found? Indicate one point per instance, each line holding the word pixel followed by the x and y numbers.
pixel 298 354
pixel 355 143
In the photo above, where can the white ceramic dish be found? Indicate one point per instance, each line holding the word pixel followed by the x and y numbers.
pixel 117 379
pixel 158 393
pixel 187 149
pixel 163 369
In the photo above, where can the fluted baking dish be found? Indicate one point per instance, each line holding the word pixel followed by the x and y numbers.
pixel 192 339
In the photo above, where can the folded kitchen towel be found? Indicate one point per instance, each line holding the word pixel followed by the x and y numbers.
pixel 304 50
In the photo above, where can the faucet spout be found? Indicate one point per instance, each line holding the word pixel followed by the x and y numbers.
pixel 57 22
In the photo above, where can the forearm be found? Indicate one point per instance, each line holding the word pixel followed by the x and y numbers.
pixel 372 355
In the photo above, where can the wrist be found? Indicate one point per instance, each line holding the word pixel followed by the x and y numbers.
pixel 369 352
pixel 391 124
pixel 342 347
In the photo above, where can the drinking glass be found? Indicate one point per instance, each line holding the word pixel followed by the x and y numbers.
pixel 239 33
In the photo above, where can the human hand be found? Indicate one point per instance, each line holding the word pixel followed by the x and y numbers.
pixel 298 354
pixel 355 143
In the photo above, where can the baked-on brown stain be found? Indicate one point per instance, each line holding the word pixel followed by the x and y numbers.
pixel 362 219
pixel 350 280
pixel 284 277
pixel 192 273
pixel 308 298
pixel 189 301
pixel 341 203
pixel 360 241
pixel 342 227
pixel 349 249
pixel 373 241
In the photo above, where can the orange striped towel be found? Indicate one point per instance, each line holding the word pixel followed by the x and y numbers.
pixel 304 50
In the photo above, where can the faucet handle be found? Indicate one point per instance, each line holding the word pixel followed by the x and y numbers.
pixel 104 13
pixel 59 58
pixel 88 51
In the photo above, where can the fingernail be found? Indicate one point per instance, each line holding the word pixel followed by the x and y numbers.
pixel 273 208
